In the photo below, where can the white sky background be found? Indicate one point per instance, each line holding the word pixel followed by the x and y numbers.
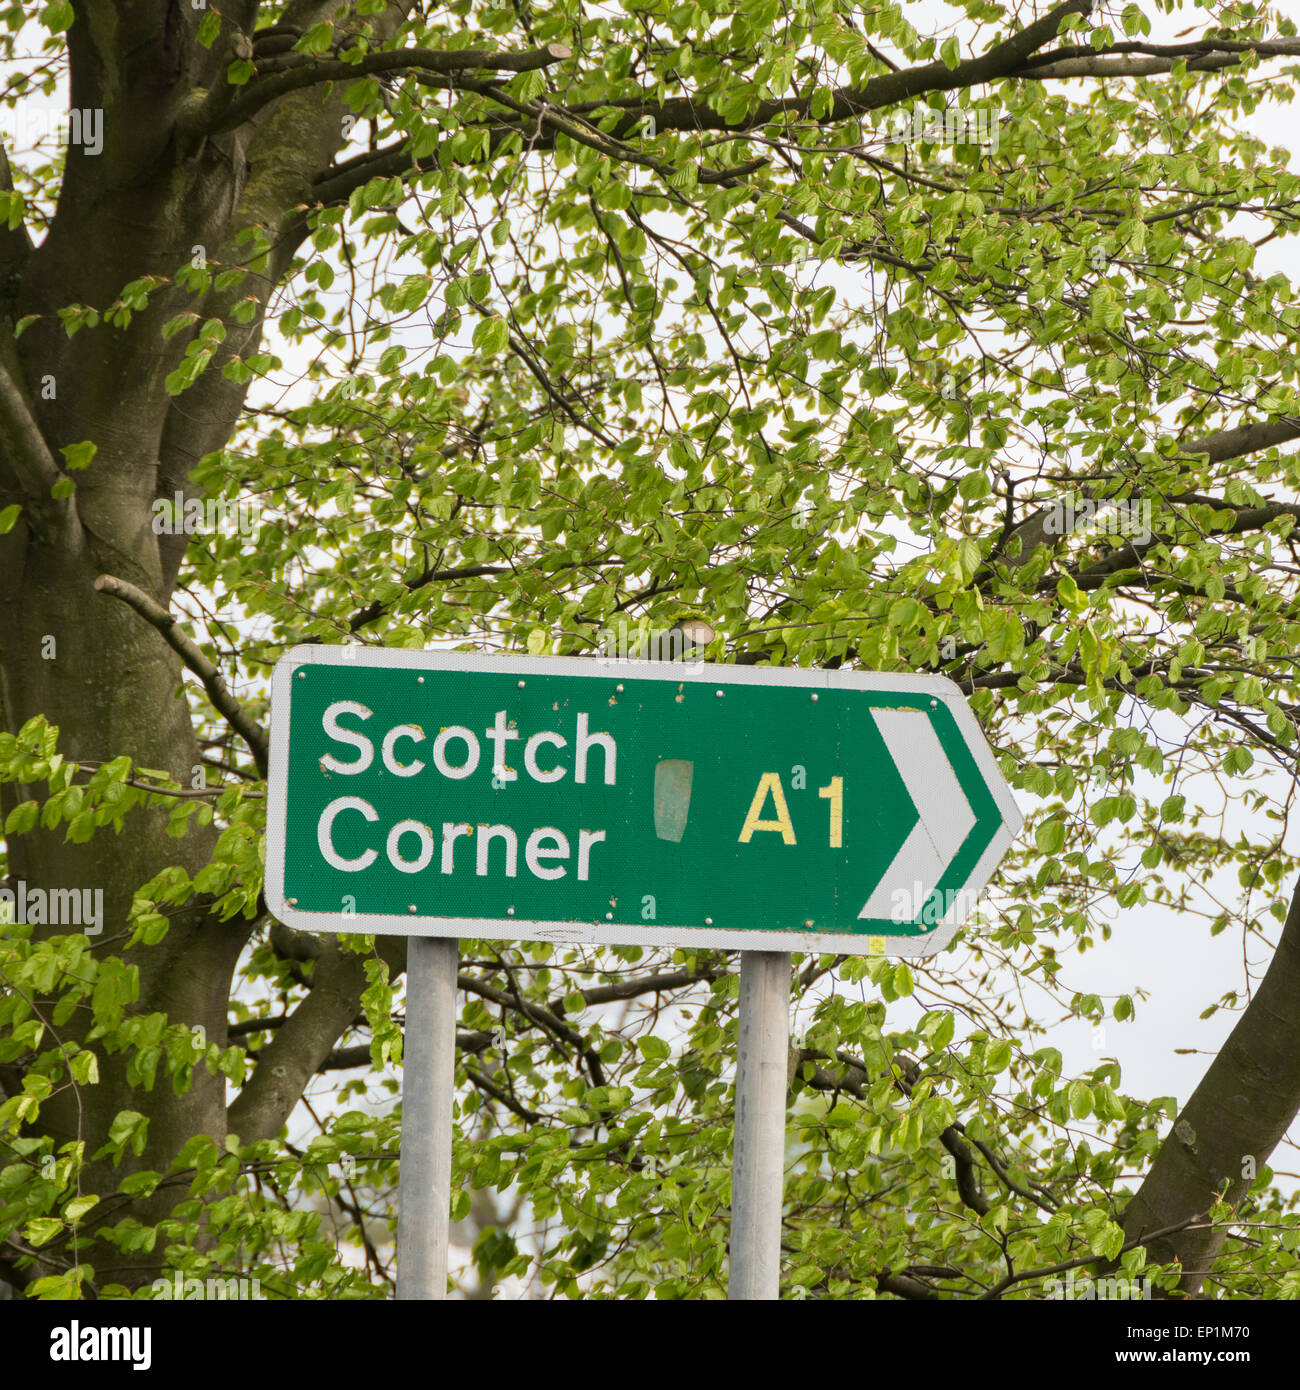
pixel 1152 948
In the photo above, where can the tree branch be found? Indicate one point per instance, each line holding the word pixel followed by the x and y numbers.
pixel 29 457
pixel 497 1093
pixel 431 60
pixel 302 1042
pixel 15 243
pixel 1219 447
pixel 686 114
pixel 825 1079
pixel 902 1286
pixel 1046 1271
pixel 379 607
pixel 1150 60
pixel 222 700
pixel 1016 58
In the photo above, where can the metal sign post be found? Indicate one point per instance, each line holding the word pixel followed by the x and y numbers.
pixel 428 1073
pixel 758 1154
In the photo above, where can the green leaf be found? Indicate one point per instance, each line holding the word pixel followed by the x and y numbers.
pixel 974 486
pixel 491 335
pixel 140 1184
pixel 963 561
pixel 55 1287
pixel 905 613
pixel 1050 836
pixel 22 818
pixel 998 1058
pixel 42 1229
pixel 57 17
pixel 78 1207
pixel 1080 1094
pixel 78 456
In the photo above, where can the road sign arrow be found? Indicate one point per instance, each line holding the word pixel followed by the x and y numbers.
pixel 966 822
pixel 945 817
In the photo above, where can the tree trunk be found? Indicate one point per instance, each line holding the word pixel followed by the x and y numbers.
pixel 145 207
pixel 1235 1118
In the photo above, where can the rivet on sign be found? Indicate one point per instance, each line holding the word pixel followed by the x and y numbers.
pixel 934 704
pixel 412 908
pixel 814 699
pixel 708 921
pixel 807 921
pixel 419 680
pixel 292 902
pixel 609 916
pixel 521 685
pixel 510 912
pixel 719 693
pixel 301 674
pixel 619 689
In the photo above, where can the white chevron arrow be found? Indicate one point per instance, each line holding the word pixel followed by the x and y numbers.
pixel 945 815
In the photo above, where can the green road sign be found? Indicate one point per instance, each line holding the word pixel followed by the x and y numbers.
pixel 649 803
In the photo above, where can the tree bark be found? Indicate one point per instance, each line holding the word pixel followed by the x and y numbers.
pixel 1233 1121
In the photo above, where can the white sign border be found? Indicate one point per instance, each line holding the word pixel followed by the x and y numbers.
pixel 939 688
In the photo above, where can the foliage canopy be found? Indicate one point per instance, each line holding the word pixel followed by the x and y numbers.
pixel 520 322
